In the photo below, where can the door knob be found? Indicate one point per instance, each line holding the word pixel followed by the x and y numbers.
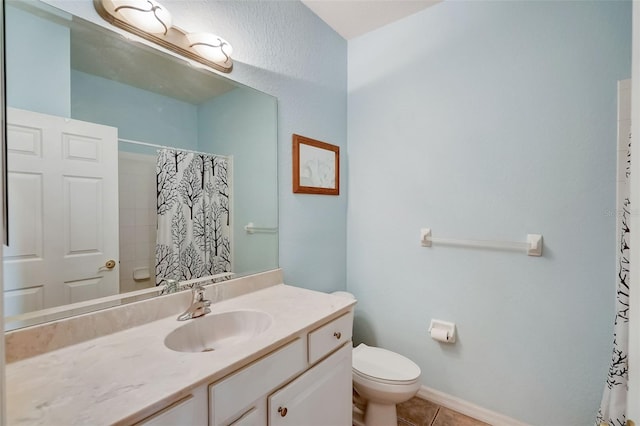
pixel 110 264
pixel 282 411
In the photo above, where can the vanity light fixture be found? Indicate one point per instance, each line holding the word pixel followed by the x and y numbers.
pixel 210 46
pixel 146 15
pixel 152 21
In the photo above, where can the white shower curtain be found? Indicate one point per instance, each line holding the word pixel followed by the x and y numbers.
pixel 194 218
pixel 612 410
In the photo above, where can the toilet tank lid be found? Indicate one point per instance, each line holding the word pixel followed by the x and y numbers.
pixel 344 294
pixel 384 364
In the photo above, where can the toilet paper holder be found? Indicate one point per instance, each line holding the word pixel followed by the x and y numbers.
pixel 442 331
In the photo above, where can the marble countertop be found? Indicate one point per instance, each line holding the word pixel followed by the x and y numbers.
pixel 125 376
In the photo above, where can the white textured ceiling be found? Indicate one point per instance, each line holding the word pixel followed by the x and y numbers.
pixel 351 18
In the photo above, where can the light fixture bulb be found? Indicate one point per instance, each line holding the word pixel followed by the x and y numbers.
pixel 211 47
pixel 146 15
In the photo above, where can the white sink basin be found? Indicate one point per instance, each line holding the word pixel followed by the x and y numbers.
pixel 216 331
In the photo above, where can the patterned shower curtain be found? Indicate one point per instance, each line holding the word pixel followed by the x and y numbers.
pixel 194 232
pixel 612 410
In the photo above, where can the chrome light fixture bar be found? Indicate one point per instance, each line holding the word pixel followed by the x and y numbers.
pixel 152 21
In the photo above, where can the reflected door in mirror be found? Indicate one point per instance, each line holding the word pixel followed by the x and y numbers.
pixel 63 214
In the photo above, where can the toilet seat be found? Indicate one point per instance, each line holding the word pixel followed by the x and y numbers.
pixel 383 366
pixel 383 381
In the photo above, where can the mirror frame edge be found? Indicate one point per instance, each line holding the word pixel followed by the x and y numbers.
pixel 3 194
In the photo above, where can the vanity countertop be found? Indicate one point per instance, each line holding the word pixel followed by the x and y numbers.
pixel 123 377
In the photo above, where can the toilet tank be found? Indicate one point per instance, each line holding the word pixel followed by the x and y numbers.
pixel 344 294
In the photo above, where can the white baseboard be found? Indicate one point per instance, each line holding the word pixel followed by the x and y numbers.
pixel 467 408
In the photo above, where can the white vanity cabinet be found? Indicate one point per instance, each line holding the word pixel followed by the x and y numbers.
pixel 295 372
pixel 306 382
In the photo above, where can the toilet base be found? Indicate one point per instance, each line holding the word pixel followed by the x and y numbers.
pixel 377 414
pixel 357 418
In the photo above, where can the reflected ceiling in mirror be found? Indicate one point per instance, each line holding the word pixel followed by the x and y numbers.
pixel 95 54
pixel 78 92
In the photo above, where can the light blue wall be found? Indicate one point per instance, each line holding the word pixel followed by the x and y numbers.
pixel 38 58
pixel 138 114
pixel 242 123
pixel 490 120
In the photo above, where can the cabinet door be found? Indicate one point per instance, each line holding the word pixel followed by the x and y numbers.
pixel 320 397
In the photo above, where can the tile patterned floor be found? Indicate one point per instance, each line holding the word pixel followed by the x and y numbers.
pixel 418 412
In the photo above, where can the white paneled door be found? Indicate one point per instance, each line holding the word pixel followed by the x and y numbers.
pixel 63 212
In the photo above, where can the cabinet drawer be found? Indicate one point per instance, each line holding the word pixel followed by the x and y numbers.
pixel 330 336
pixel 233 395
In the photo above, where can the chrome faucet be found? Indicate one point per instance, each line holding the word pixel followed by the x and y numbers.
pixel 170 286
pixel 199 305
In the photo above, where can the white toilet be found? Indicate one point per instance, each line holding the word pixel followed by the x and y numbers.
pixel 383 379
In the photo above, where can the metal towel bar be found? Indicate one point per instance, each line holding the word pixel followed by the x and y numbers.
pixel 533 245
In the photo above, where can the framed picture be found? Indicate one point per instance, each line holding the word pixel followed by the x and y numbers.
pixel 316 167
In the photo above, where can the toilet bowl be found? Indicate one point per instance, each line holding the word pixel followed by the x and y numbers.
pixel 382 378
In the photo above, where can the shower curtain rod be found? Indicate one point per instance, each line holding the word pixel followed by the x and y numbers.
pixel 153 145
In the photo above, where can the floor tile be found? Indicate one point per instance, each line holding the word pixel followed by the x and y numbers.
pixel 417 411
pixel 402 422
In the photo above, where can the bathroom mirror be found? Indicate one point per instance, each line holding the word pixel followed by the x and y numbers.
pixel 99 123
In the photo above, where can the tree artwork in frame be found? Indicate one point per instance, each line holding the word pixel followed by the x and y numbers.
pixel 316 167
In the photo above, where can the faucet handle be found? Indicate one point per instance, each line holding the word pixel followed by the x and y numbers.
pixel 199 305
pixel 198 292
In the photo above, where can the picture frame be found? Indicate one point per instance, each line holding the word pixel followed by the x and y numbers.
pixel 316 167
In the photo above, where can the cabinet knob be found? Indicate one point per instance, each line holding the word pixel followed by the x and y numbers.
pixel 282 411
pixel 337 335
